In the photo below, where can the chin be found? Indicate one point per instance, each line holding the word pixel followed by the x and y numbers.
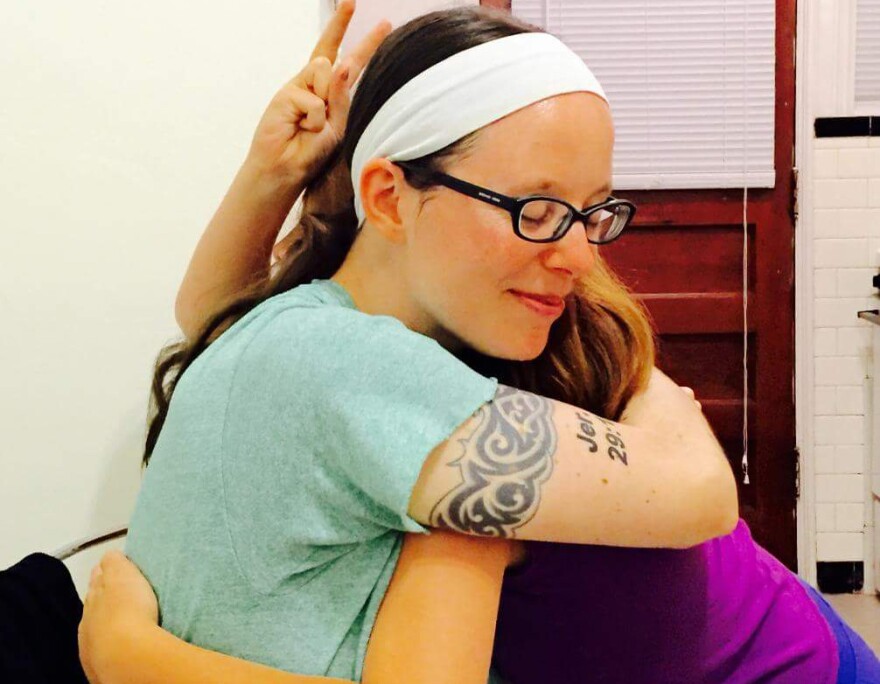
pixel 517 347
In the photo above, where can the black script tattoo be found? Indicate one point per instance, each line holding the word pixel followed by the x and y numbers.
pixel 616 447
pixel 586 432
pixel 505 461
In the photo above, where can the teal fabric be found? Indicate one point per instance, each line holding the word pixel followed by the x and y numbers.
pixel 272 512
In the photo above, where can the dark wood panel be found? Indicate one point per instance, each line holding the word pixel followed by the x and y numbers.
pixel 726 418
pixel 656 259
pixel 702 312
pixel 710 364
pixel 688 209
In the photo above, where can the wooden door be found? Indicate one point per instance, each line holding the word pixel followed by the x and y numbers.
pixel 684 259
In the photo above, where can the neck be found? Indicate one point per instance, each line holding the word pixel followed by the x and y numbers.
pixel 373 276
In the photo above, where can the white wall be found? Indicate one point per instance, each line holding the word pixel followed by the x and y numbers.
pixel 838 234
pixel 846 230
pixel 121 126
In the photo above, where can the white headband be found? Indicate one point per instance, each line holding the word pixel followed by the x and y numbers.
pixel 466 92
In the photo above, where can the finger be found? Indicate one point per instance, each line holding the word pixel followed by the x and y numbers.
pixel 305 79
pixel 688 391
pixel 332 35
pixel 312 108
pixel 306 109
pixel 339 99
pixel 112 559
pixel 364 50
pixel 319 77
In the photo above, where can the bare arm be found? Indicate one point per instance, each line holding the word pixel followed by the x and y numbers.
pixel 435 626
pixel 251 214
pixel 236 247
pixel 297 134
pixel 120 641
pixel 150 655
pixel 529 467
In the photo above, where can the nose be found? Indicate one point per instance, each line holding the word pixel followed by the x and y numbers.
pixel 573 253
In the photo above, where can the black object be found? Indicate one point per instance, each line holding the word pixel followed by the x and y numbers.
pixel 847 126
pixel 598 233
pixel 875 281
pixel 40 612
pixel 840 578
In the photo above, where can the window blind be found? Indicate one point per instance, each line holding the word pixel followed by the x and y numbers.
pixel 867 88
pixel 691 85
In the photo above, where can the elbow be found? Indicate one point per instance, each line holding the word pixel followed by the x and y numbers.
pixel 716 512
pixel 721 502
pixel 183 314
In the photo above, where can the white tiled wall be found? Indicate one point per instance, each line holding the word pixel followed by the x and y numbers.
pixel 846 234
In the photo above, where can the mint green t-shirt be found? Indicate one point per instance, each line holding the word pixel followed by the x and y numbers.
pixel 272 513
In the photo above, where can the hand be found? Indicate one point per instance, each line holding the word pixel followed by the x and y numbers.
pixel 304 123
pixel 690 393
pixel 658 401
pixel 119 599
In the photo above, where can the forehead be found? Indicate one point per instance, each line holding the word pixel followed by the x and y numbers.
pixel 567 137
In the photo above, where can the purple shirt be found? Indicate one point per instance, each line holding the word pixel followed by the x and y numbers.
pixel 725 611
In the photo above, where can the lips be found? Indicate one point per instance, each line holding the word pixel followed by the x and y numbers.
pixel 543 304
pixel 550 300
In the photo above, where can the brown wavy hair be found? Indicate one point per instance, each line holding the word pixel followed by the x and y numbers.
pixel 600 351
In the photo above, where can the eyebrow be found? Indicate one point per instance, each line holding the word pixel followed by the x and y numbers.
pixel 547 185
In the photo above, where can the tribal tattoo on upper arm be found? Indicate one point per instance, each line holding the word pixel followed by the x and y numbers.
pixel 503 465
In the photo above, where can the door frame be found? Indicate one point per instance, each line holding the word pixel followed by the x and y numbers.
pixel 803 314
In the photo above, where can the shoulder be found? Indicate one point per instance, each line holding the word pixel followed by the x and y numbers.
pixel 339 333
pixel 297 340
pixel 309 331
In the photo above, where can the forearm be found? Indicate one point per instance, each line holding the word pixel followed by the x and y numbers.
pixel 659 478
pixel 436 624
pixel 665 410
pixel 236 247
pixel 150 655
pixel 674 419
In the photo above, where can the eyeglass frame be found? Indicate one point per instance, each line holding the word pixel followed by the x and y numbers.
pixel 514 205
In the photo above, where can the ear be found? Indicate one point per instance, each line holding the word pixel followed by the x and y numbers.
pixel 382 188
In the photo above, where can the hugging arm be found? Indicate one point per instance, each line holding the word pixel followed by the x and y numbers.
pixel 147 654
pixel 533 468
pixel 436 624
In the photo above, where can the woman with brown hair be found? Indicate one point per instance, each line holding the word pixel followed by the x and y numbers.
pixel 447 351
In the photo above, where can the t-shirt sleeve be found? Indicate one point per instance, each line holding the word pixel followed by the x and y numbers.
pixel 390 397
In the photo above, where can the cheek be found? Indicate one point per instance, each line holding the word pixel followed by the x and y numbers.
pixel 467 240
pixel 477 299
pixel 493 264
pixel 465 261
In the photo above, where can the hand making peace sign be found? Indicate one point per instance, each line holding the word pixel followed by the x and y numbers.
pixel 305 121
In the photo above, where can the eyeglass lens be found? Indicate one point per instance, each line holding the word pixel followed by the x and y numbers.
pixel 545 219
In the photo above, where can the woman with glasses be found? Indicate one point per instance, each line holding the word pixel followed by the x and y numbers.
pixel 440 348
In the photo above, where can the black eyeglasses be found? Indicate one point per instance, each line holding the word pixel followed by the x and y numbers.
pixel 538 218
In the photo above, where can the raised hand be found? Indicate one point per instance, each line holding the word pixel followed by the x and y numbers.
pixel 298 133
pixel 305 121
